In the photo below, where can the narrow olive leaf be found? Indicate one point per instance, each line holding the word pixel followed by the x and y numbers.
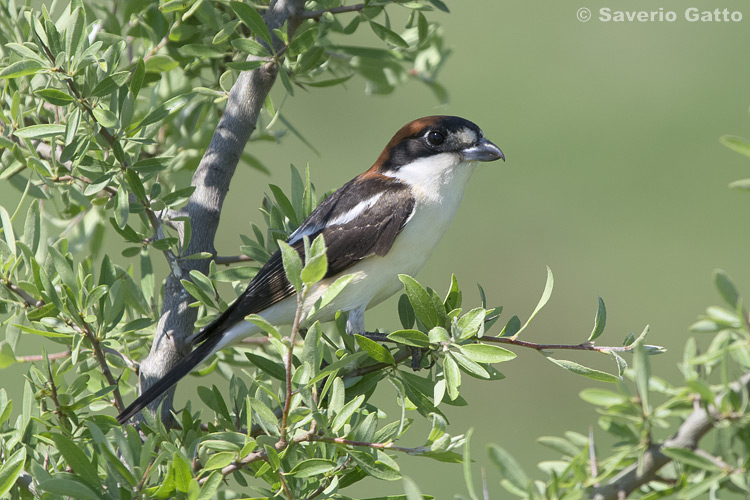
pixel 264 325
pixel 250 46
pixel 413 338
pixel 726 288
pixel 485 353
pixel 578 369
pixel 405 312
pixel 59 486
pixel 346 413
pixel 11 470
pixel 411 489
pixel 741 185
pixel 21 68
pixel 691 458
pixel 452 377
pixel 39 131
pixel 312 467
pixel 467 465
pixel 315 269
pixel 388 36
pixel 211 485
pixel 736 144
pixel 331 293
pixel 642 374
pixel 542 301
pixel 600 321
pixel 420 301
pixel 76 458
pixel 267 366
pixel 139 72
pixel 7 225
pixel 375 350
pixel 508 466
pixel 601 397
pixel 54 96
pixel 252 20
pixel 471 323
pixel 292 264
pixel 105 117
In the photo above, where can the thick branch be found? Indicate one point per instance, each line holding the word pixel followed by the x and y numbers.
pixel 211 181
pixel 692 430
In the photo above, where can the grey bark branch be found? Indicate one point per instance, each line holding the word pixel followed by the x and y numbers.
pixel 211 181
pixel 688 436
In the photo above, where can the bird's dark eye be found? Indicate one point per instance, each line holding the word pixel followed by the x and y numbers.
pixel 435 138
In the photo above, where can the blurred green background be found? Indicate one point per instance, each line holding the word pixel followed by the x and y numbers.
pixel 614 178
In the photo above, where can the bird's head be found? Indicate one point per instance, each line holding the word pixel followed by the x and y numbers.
pixel 435 148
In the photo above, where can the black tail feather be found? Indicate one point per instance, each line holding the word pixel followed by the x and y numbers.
pixel 185 366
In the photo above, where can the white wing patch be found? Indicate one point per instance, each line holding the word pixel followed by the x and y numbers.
pixel 339 219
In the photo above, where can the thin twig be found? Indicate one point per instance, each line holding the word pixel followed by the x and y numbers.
pixel 583 346
pixel 288 365
pixel 28 300
pixel 315 14
pixel 285 486
pixel 592 455
pixel 419 450
pixel 99 353
pixel 225 260
pixel 31 358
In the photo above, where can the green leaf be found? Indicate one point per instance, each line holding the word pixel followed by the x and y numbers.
pixel 484 353
pixel 7 358
pixel 600 321
pixel 68 487
pixel 542 301
pixel 388 36
pixel 211 485
pixel 10 236
pixel 726 288
pixel 32 227
pixel 642 374
pixel 331 293
pixel 601 397
pixel 315 269
pixel 39 131
pixel 420 300
pixel 691 458
pixel 376 351
pixel 742 185
pixel 21 68
pixel 11 470
pixel 139 72
pixel 578 369
pixel 413 338
pixel 312 467
pixel 267 366
pixel 250 46
pixel 405 312
pixel 471 323
pixel 411 489
pixel 77 459
pixel 303 41
pixel 105 117
pixel 252 20
pixel 54 96
pixel 292 265
pixel 219 460
pixel 508 466
pixel 122 208
pixel 343 416
pixel 452 377
pixel 736 144
pixel 265 325
pixel 110 83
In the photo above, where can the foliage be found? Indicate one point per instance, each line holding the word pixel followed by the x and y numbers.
pixel 102 116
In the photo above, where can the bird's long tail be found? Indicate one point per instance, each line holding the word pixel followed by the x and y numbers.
pixel 185 366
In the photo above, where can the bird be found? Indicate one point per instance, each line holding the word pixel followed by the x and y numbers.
pixel 384 222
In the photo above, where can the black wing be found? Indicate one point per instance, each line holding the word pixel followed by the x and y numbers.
pixel 370 232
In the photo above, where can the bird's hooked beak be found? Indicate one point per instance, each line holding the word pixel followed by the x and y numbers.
pixel 483 151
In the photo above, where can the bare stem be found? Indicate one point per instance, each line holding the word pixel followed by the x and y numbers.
pixel 99 353
pixel 41 357
pixel 419 450
pixel 225 260
pixel 315 14
pixel 583 346
pixel 288 365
